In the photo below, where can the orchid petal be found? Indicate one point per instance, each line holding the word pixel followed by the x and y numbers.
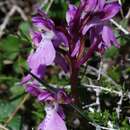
pixel 45 96
pixel 100 5
pixel 60 38
pixel 110 10
pixel 76 49
pixel 71 13
pixel 36 38
pixel 94 22
pixel 52 120
pixel 108 37
pixel 33 89
pixel 26 79
pixel 89 5
pixel 61 61
pixel 44 55
pixel 43 23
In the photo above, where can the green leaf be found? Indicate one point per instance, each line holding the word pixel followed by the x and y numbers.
pixel 24 27
pixel 6 109
pixel 10 44
pixel 9 47
pixel 15 90
pixel 20 63
pixel 111 52
pixel 24 31
pixel 15 123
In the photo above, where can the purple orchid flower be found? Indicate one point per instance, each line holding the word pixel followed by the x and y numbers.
pixel 54 119
pixel 66 47
pixel 44 55
pixel 46 40
pixel 42 22
pixel 36 38
pixel 90 19
pixel 71 13
pixel 43 95
pixel 102 13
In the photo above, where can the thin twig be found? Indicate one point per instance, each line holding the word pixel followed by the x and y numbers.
pixel 102 127
pixel 128 14
pixel 118 109
pixel 9 14
pixel 98 91
pixel 43 4
pixel 122 14
pixel 49 6
pixel 90 68
pixel 20 11
pixel 100 70
pixel 84 72
pixel 102 88
pixel 120 27
pixel 90 105
pixel 6 20
pixel 3 127
pixel 16 110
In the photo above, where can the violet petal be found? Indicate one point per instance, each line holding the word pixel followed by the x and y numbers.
pixel 36 37
pixel 61 61
pixel 52 121
pixel 70 13
pixel 76 49
pixel 110 10
pixel 44 55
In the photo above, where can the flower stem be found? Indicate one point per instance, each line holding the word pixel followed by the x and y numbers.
pixel 74 80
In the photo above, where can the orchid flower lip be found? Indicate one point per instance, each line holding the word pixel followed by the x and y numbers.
pixel 52 119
